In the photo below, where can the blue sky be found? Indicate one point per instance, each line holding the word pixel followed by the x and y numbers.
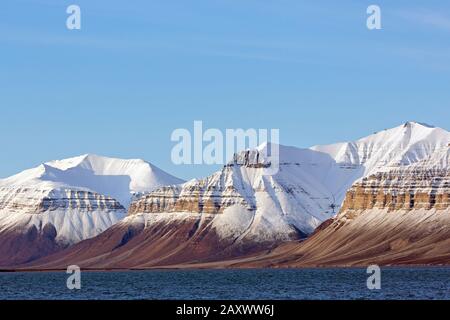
pixel 134 73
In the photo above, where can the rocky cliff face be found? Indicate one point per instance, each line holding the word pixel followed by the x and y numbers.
pixel 75 214
pixel 401 190
pixel 423 185
pixel 200 196
pixel 213 194
pixel 35 222
pixel 36 201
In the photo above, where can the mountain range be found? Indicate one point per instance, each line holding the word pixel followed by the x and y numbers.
pixel 382 198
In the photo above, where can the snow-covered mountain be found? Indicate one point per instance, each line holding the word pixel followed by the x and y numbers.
pixel 66 201
pixel 385 150
pixel 116 178
pixel 308 189
pixel 240 209
pixel 400 216
pixel 241 202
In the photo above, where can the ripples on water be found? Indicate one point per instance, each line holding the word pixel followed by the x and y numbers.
pixel 397 283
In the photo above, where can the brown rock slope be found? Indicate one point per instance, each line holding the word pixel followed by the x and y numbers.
pixel 26 243
pixel 135 245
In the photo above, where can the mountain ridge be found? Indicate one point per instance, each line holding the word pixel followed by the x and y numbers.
pixel 238 211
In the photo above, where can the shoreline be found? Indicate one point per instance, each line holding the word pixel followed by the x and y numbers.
pixel 199 268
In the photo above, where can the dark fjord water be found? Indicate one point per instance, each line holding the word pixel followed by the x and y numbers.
pixel 397 283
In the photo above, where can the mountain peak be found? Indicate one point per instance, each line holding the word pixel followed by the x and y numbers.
pixel 399 146
pixel 90 161
pixel 415 123
pixel 117 178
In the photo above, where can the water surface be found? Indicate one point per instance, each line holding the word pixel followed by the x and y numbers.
pixel 397 283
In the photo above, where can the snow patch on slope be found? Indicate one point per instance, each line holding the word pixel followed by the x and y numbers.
pixel 71 225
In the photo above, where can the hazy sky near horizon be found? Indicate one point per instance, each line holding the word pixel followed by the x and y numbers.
pixel 134 73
